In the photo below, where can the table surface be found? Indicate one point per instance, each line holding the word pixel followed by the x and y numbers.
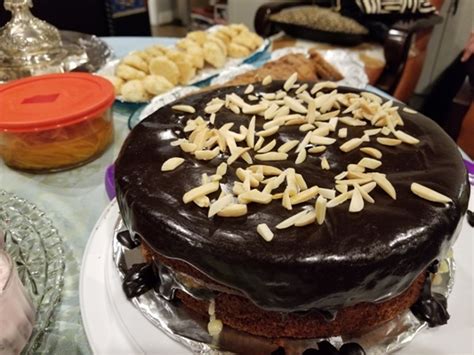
pixel 74 200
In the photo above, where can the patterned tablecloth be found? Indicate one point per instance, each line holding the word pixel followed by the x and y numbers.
pixel 74 200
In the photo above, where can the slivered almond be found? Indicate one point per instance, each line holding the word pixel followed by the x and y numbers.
pixel 385 184
pixel 340 176
pixel 372 152
pixel 357 202
pixel 250 109
pixel 234 108
pixel 304 220
pixel 333 123
pixel 214 108
pixel 290 81
pixel 184 108
pixel 385 131
pixel 204 179
pixel 267 80
pixel 199 191
pixel 259 143
pixel 306 127
pixel 339 199
pixel 207 154
pixel 219 205
pixel 265 232
pixel 242 175
pixel 304 196
pixel 256 196
pixel 216 177
pixel 365 195
pixel 405 137
pixel 409 110
pixel 369 163
pixel 178 142
pixel 233 210
pixel 238 188
pixel 325 84
pixel 249 89
pixel 290 221
pixel 304 142
pixel 271 156
pixel 188 147
pixel 267 170
pixel 282 111
pixel 221 169
pixel 212 118
pixel 325 164
pixel 351 121
pixel 311 114
pixel 327 193
pixel 295 122
pixel 317 149
pixel 301 89
pixel 388 141
pixel 320 208
pixel 322 140
pixel 354 168
pixel 372 132
pixel 294 105
pixel 269 95
pixel 286 147
pixel 369 187
pixel 301 182
pixel 250 139
pixel 286 201
pixel 301 156
pixel 291 182
pixel 202 201
pixel 372 97
pixel 351 144
pixel 342 188
pixel 271 111
pixel 268 132
pixel 429 194
pixel 252 98
pixel 268 147
pixel 171 164
pixel 238 152
pixel 321 131
pixel 342 133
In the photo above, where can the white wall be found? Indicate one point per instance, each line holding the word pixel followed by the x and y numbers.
pixel 161 11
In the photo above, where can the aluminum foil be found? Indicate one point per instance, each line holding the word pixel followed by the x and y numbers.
pixel 190 329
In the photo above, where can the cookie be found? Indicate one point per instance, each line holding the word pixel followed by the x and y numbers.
pixel 165 67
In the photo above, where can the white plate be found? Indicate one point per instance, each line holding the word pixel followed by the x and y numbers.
pixel 114 326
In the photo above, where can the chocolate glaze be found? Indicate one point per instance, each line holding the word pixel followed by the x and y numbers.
pixel 139 279
pixel 125 238
pixel 351 258
pixel 431 307
pixel 470 218
pixel 326 348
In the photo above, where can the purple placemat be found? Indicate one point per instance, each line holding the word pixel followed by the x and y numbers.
pixel 109 181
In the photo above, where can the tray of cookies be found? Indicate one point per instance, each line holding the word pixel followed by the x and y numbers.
pixel 201 55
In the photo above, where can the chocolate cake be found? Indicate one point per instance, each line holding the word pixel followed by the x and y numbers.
pixel 371 221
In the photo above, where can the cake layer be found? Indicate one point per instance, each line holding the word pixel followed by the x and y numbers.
pixel 351 258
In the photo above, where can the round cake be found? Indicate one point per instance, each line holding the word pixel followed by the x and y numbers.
pixel 294 209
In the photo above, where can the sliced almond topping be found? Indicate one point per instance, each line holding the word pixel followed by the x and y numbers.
pixel 371 97
pixel 199 191
pixel 325 84
pixel 294 105
pixel 207 154
pixel 429 194
pixel 256 196
pixel 252 98
pixel 340 176
pixel 385 131
pixel 243 174
pixel 372 132
pixel 320 208
pixel 251 133
pixel 286 201
pixel 301 156
pixel 311 115
pixel 202 201
pixel 369 163
pixel 409 110
pixel 357 202
pixel 304 220
pixel 247 158
pixel 306 127
pixel 290 81
pixel 328 116
pixel 250 109
pixel 388 141
pixel 238 152
pixel 365 195
pixel 184 108
pixel 304 196
pixel 234 108
pixel 271 156
pixel 301 182
pixel 178 142
pixel 405 137
pixel 338 200
pixel 267 80
pixel 369 187
pixel 249 89
pixel 322 131
pixel 372 152
pixel 301 89
pixel 188 147
pixel 351 121
pixel 268 132
pixel 342 188
pixel 271 111
pixel 333 123
pixel 322 140
pixel 290 221
pixel 386 185
pixel 259 143
pixel 268 147
pixel 292 187
pixel 233 210
pixel 214 327
pixel 342 133
pixel 219 205
pixel 267 170
pixel 351 144
pixel 304 142
pixel 214 108
pixel 317 149
pixel 265 232
pixel 282 111
pixel 286 147
pixel 325 164
pixel 238 188
pixel 171 164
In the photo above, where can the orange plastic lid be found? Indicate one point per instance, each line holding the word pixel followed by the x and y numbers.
pixel 52 101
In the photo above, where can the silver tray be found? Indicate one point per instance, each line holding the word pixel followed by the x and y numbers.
pixel 190 330
pixel 37 249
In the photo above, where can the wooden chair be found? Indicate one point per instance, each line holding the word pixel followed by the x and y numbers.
pixel 402 69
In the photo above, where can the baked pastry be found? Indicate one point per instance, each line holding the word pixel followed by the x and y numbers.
pixel 292 209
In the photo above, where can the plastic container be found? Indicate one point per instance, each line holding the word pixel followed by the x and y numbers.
pixel 17 314
pixel 55 122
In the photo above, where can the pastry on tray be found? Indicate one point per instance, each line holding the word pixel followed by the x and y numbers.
pixel 144 74
pixel 289 209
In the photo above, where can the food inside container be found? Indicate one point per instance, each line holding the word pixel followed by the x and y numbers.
pixel 55 122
